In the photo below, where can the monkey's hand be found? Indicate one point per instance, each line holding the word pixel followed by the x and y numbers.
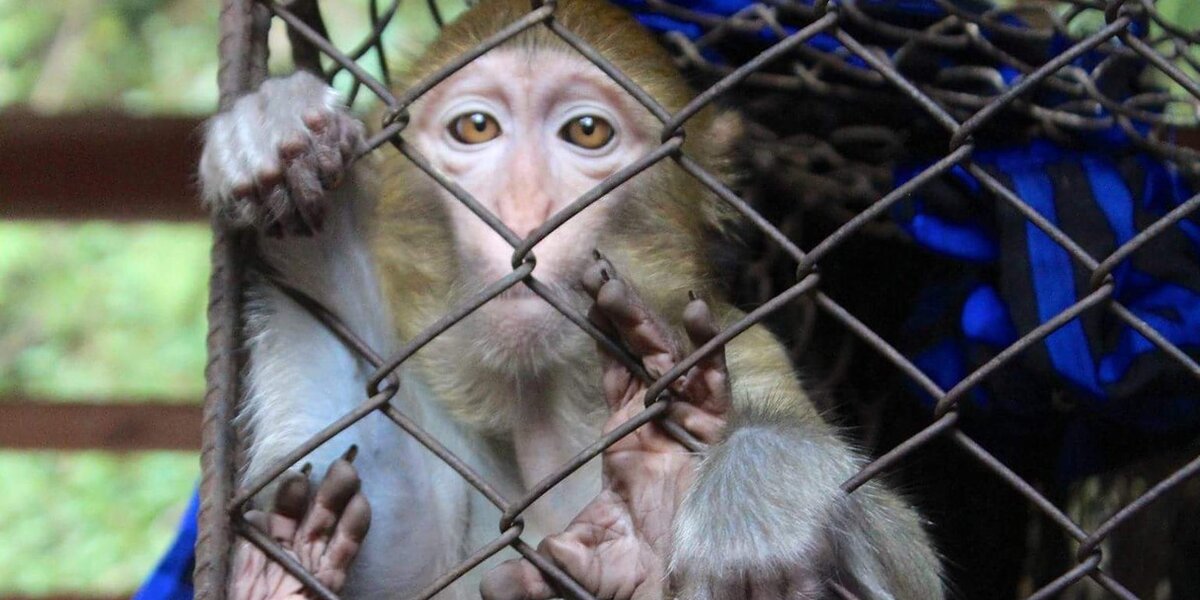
pixel 762 516
pixel 618 545
pixel 323 533
pixel 269 161
pixel 767 519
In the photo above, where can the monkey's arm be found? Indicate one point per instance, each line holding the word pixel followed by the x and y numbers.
pixel 760 516
pixel 618 545
pixel 280 162
pixel 767 512
pixel 269 165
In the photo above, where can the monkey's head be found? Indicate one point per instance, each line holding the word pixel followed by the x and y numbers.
pixel 526 129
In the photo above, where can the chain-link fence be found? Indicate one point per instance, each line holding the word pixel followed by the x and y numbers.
pixel 884 102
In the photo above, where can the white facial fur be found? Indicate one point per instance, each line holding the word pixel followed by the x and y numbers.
pixel 528 172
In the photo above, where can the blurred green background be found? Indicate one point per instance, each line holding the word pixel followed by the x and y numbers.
pixel 94 310
pixel 99 310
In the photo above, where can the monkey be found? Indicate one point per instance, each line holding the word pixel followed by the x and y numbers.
pixel 515 388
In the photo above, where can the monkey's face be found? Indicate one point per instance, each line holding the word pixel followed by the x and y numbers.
pixel 526 132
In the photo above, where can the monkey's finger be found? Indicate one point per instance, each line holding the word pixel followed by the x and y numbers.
pixel 280 528
pixel 252 194
pixel 340 485
pixel 326 148
pixel 569 549
pixel 616 382
pixel 353 141
pixel 515 579
pixel 258 520
pixel 701 327
pixel 292 496
pixel 296 155
pixel 707 384
pixel 703 425
pixel 347 540
pixel 603 285
pixel 599 272
pixel 640 328
pixel 276 210
pixel 307 194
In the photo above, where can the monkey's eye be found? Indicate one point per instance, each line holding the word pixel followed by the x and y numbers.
pixel 589 131
pixel 474 128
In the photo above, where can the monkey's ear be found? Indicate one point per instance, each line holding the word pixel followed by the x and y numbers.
pixel 728 128
pixel 722 153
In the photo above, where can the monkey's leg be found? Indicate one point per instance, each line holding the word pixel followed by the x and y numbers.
pixel 617 547
pixel 323 533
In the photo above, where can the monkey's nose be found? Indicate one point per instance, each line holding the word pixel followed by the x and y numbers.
pixel 523 213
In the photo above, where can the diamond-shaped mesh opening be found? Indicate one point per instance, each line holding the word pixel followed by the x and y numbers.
pixel 932 93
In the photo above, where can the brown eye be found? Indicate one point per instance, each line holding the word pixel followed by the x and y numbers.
pixel 588 131
pixel 474 128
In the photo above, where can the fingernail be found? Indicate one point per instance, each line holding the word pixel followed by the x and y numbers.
pixel 692 295
pixel 604 275
pixel 306 470
pixel 351 453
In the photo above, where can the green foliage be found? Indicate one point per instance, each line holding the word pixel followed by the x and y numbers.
pixel 103 310
pixel 140 55
pixel 96 310
pixel 155 55
pixel 88 523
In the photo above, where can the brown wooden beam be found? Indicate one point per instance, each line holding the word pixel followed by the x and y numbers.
pixel 27 424
pixel 98 166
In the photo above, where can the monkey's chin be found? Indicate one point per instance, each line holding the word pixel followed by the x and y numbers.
pixel 524 335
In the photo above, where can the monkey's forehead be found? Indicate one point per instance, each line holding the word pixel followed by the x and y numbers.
pixel 533 78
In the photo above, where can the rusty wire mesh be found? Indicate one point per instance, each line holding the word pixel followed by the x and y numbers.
pixel 955 109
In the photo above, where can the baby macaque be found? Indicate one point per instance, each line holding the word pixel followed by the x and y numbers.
pixel 516 389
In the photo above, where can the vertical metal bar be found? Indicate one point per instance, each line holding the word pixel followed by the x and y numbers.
pixel 242 64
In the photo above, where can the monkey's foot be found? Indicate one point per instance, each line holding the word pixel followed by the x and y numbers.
pixel 270 160
pixel 617 546
pixel 323 533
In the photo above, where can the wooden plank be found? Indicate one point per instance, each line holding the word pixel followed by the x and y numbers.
pixel 98 166
pixel 27 424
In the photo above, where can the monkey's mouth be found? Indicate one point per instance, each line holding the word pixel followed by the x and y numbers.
pixel 518 292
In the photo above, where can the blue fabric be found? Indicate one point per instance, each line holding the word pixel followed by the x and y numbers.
pixel 172 578
pixel 1050 266
pixel 1112 375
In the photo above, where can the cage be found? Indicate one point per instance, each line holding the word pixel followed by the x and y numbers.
pixel 916 147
